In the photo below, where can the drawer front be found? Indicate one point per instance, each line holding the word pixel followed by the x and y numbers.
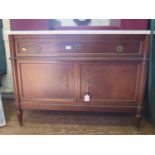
pixel 86 44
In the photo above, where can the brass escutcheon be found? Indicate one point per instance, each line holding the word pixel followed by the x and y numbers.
pixel 119 48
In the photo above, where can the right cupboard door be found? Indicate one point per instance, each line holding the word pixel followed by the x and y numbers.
pixel 110 83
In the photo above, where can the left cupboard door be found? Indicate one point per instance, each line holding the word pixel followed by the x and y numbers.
pixel 46 80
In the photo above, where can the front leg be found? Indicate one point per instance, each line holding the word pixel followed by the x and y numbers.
pixel 20 116
pixel 138 120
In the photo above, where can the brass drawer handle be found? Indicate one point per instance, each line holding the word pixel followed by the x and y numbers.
pixel 33 48
pixel 77 46
pixel 24 49
pixel 119 48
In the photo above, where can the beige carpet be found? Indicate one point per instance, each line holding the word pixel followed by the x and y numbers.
pixel 70 123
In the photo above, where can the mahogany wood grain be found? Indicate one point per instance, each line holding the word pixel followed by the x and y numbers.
pixel 15 82
pixel 49 77
pixel 49 80
pixel 85 44
pixel 118 81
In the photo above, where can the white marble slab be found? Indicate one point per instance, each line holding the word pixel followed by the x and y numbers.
pixel 81 32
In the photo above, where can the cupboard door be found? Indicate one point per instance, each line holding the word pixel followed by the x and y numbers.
pixel 46 80
pixel 111 83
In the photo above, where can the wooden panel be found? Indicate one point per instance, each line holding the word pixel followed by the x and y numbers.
pixel 75 107
pixel 67 44
pixel 111 68
pixel 110 81
pixel 47 46
pixel 46 80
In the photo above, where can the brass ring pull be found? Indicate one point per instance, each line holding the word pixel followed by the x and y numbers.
pixel 77 46
pixel 119 48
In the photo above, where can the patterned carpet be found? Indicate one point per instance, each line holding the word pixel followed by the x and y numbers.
pixel 71 123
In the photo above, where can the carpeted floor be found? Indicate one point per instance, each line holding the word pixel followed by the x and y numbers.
pixel 70 123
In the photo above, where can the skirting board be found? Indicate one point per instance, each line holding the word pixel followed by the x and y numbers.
pixel 7 96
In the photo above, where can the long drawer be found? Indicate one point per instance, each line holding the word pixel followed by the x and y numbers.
pixel 59 45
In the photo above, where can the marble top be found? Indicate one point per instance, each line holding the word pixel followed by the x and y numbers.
pixel 81 32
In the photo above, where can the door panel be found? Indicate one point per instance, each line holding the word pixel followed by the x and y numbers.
pixel 47 80
pixel 110 81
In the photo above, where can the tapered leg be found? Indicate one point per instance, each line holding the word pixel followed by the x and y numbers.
pixel 138 120
pixel 20 117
